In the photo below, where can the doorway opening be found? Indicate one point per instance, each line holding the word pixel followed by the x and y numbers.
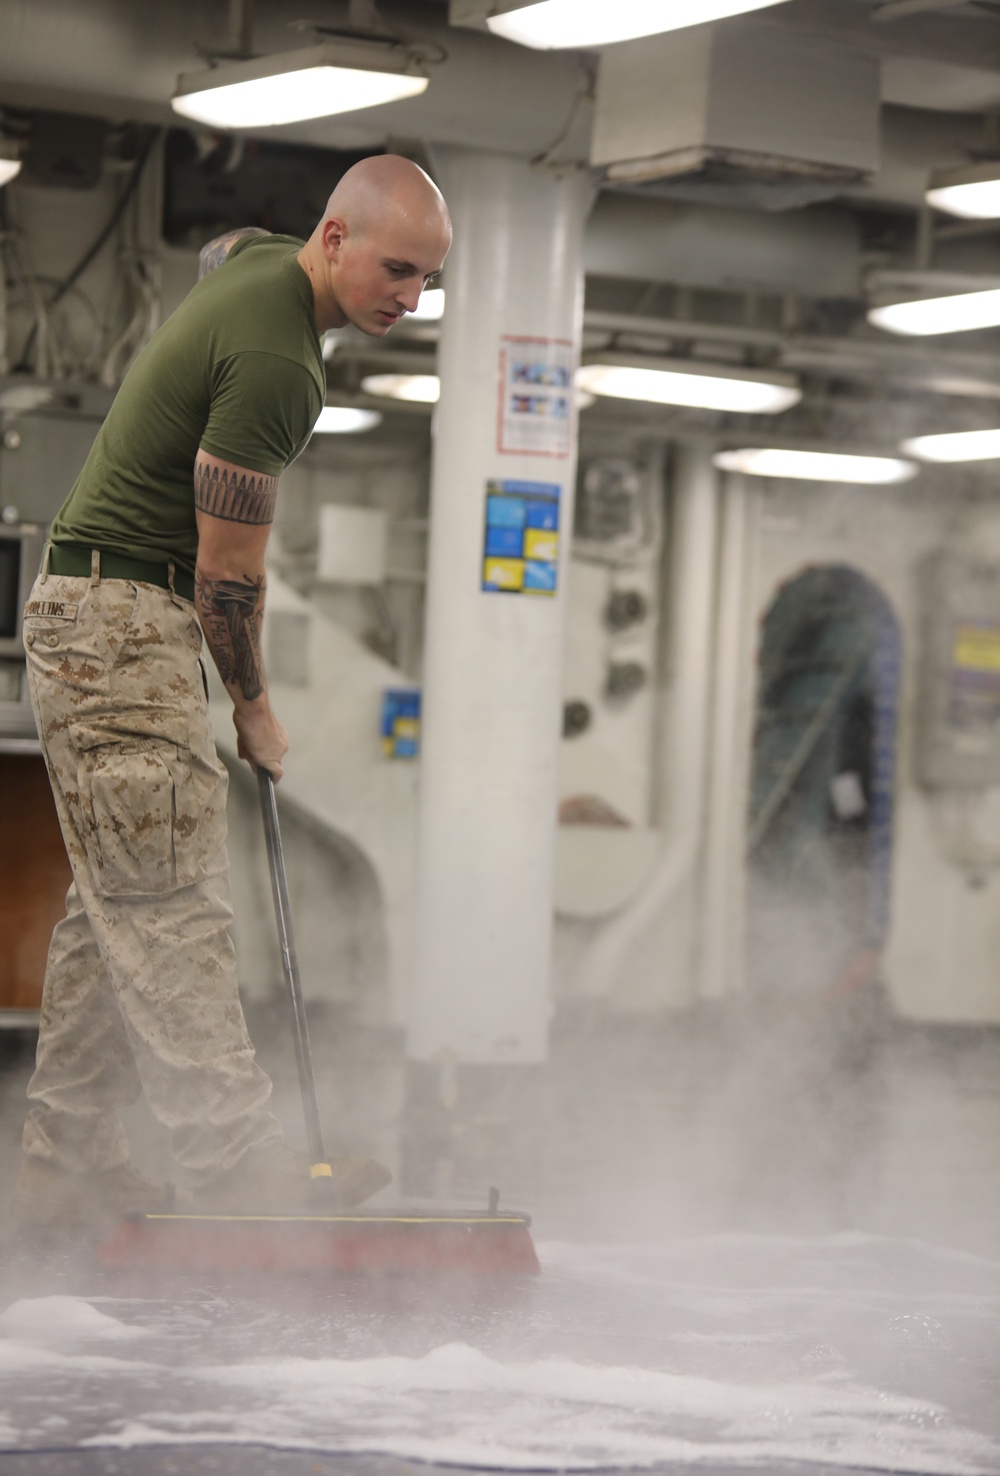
pixel 821 802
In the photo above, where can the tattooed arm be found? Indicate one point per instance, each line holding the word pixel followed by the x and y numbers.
pixel 215 253
pixel 234 508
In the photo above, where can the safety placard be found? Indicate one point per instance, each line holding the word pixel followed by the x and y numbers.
pixel 536 396
pixel 974 696
pixel 521 539
pixel 977 647
pixel 400 724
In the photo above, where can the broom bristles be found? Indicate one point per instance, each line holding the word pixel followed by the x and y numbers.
pixel 399 1243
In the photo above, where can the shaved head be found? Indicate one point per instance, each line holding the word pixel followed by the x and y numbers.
pixel 385 232
pixel 388 186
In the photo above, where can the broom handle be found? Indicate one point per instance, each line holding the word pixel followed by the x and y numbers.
pixel 290 963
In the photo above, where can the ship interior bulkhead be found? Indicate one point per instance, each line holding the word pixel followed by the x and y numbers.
pixel 637 635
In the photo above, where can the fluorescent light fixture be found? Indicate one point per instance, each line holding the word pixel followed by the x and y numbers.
pixel 335 77
pixel 959 312
pixel 977 445
pixel 681 382
pixel 425 388
pixel 10 159
pixel 815 466
pixel 430 306
pixel 972 192
pixel 554 24
pixel 345 420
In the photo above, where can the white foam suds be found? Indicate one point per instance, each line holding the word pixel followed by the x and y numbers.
pixel 59 1320
pixel 17 1358
pixel 456 1405
pixel 731 1352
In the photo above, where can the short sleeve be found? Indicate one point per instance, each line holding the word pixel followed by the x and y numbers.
pixel 263 410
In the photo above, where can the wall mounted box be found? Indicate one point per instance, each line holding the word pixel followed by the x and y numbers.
pixel 958 731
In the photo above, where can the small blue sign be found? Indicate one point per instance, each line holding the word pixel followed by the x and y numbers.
pixel 521 537
pixel 400 724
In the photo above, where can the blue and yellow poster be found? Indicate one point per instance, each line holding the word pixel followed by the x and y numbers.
pixel 400 725
pixel 521 545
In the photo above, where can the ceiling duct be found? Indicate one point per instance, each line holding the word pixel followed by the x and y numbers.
pixel 736 114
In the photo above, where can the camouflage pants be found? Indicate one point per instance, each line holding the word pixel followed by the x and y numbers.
pixel 140 989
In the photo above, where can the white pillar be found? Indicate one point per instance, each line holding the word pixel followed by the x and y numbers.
pixel 722 920
pixel 493 658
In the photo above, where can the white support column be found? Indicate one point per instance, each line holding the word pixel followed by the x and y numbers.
pixel 492 669
pixel 722 913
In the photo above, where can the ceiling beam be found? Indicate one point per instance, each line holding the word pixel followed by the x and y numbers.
pixel 894 9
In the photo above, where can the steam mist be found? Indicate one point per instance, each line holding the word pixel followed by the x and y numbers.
pixel 765 1196
pixel 767 1236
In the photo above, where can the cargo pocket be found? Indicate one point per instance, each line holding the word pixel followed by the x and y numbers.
pixel 145 818
pixel 131 840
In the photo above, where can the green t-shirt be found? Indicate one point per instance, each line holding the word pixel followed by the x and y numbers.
pixel 238 369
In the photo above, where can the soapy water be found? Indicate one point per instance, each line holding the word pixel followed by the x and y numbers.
pixel 851 1351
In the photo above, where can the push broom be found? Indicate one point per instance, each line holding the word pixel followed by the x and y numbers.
pixel 486 1242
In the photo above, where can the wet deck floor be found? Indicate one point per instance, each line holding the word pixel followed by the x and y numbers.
pixel 769 1244
pixel 216 1461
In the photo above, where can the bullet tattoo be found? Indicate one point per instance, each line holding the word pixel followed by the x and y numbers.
pixel 236 496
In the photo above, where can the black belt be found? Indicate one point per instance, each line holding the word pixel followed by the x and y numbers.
pixel 75 559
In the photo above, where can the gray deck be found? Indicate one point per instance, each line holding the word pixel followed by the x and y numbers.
pixel 774 1237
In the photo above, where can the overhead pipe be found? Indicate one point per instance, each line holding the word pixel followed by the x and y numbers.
pixel 597 321
pixel 944 371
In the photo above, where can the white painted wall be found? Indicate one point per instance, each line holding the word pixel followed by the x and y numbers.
pixel 943 957
pixel 614 759
pixel 942 961
pixel 358 809
pixel 642 953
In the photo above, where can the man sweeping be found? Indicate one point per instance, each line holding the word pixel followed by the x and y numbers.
pixel 158 550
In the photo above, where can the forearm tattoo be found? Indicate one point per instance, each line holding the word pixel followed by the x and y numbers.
pixel 236 496
pixel 232 611
pixel 215 253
